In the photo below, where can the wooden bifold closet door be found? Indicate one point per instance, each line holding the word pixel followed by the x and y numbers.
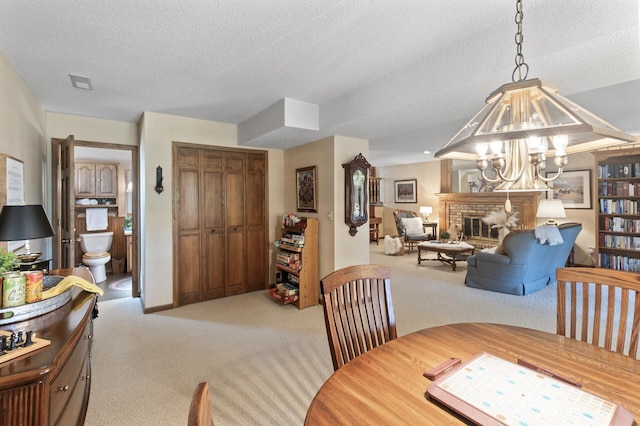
pixel 220 224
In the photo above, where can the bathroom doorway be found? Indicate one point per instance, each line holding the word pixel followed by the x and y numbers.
pixel 71 199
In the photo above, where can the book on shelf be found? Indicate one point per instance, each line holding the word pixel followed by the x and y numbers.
pixel 295 240
pixel 283 297
pixel 617 189
pixel 622 263
pixel 287 257
pixel 615 171
pixel 623 206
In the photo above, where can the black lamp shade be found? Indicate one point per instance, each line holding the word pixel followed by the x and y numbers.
pixel 25 222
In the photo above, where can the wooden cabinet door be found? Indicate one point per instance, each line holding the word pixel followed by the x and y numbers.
pixel 213 224
pixel 256 219
pixel 85 185
pixel 106 180
pixel 235 223
pixel 188 249
pixel 220 223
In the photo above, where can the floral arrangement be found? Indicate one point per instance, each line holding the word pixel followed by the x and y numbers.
pixel 501 219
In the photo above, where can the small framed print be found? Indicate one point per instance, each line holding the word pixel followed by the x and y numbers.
pixel 406 191
pixel 306 193
pixel 573 188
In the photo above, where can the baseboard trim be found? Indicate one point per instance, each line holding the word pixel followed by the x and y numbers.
pixel 157 309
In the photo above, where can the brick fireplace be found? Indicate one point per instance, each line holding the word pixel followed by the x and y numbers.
pixel 458 209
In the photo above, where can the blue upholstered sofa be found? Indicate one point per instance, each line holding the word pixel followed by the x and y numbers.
pixel 524 266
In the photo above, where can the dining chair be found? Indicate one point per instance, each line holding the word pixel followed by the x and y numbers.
pixel 200 410
pixel 600 306
pixel 358 311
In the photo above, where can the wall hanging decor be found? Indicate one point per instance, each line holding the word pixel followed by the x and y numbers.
pixel 306 189
pixel 356 193
pixel 159 188
pixel 573 188
pixel 406 191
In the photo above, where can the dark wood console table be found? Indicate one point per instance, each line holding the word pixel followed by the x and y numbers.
pixel 51 385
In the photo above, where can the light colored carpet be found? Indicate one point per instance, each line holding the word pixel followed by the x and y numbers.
pixel 265 361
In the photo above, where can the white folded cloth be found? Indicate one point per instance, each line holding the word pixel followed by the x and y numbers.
pixel 97 219
pixel 548 233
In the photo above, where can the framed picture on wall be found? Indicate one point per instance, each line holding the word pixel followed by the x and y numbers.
pixel 573 188
pixel 306 192
pixel 406 191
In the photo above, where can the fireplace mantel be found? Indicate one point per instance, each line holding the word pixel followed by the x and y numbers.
pixel 451 206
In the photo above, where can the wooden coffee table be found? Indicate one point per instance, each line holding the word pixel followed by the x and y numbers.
pixel 453 251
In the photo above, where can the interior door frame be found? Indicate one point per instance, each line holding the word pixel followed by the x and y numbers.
pixel 135 202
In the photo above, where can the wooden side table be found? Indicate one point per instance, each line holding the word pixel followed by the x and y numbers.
pixel 374 229
pixel 434 229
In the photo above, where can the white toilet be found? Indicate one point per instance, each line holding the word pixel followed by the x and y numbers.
pixel 95 248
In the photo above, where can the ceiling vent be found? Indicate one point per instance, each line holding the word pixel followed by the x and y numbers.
pixel 80 82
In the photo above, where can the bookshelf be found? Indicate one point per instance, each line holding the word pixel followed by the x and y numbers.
pixel 297 264
pixel 618 209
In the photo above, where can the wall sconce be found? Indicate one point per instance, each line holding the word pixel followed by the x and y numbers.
pixel 159 178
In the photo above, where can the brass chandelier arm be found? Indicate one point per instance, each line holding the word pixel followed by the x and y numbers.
pixel 498 167
pixel 549 179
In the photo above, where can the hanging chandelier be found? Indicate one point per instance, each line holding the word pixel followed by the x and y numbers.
pixel 522 125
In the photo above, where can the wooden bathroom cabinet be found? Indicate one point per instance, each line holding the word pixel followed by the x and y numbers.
pixel 50 386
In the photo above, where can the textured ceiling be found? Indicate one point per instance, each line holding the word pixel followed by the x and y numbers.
pixel 405 74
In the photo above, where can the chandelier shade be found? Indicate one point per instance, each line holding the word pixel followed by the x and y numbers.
pixel 522 125
pixel 532 108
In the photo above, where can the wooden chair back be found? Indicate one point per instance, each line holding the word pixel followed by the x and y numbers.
pixel 200 410
pixel 358 311
pixel 79 271
pixel 600 306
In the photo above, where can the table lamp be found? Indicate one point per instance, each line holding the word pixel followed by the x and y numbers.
pixel 25 222
pixel 426 211
pixel 551 210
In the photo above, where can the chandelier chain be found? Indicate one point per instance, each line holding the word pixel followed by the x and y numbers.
pixel 521 65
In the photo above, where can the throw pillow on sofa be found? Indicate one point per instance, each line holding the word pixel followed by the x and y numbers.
pixel 413 225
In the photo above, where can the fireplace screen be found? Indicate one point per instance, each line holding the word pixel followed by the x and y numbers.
pixel 474 227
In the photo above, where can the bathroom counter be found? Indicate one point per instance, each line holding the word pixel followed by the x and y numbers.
pixel 51 385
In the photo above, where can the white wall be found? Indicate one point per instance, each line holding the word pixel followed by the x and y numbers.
pixel 92 129
pixel 22 136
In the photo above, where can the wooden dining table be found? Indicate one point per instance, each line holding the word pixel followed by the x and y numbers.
pixel 386 385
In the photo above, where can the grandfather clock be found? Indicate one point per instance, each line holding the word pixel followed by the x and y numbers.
pixel 356 192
